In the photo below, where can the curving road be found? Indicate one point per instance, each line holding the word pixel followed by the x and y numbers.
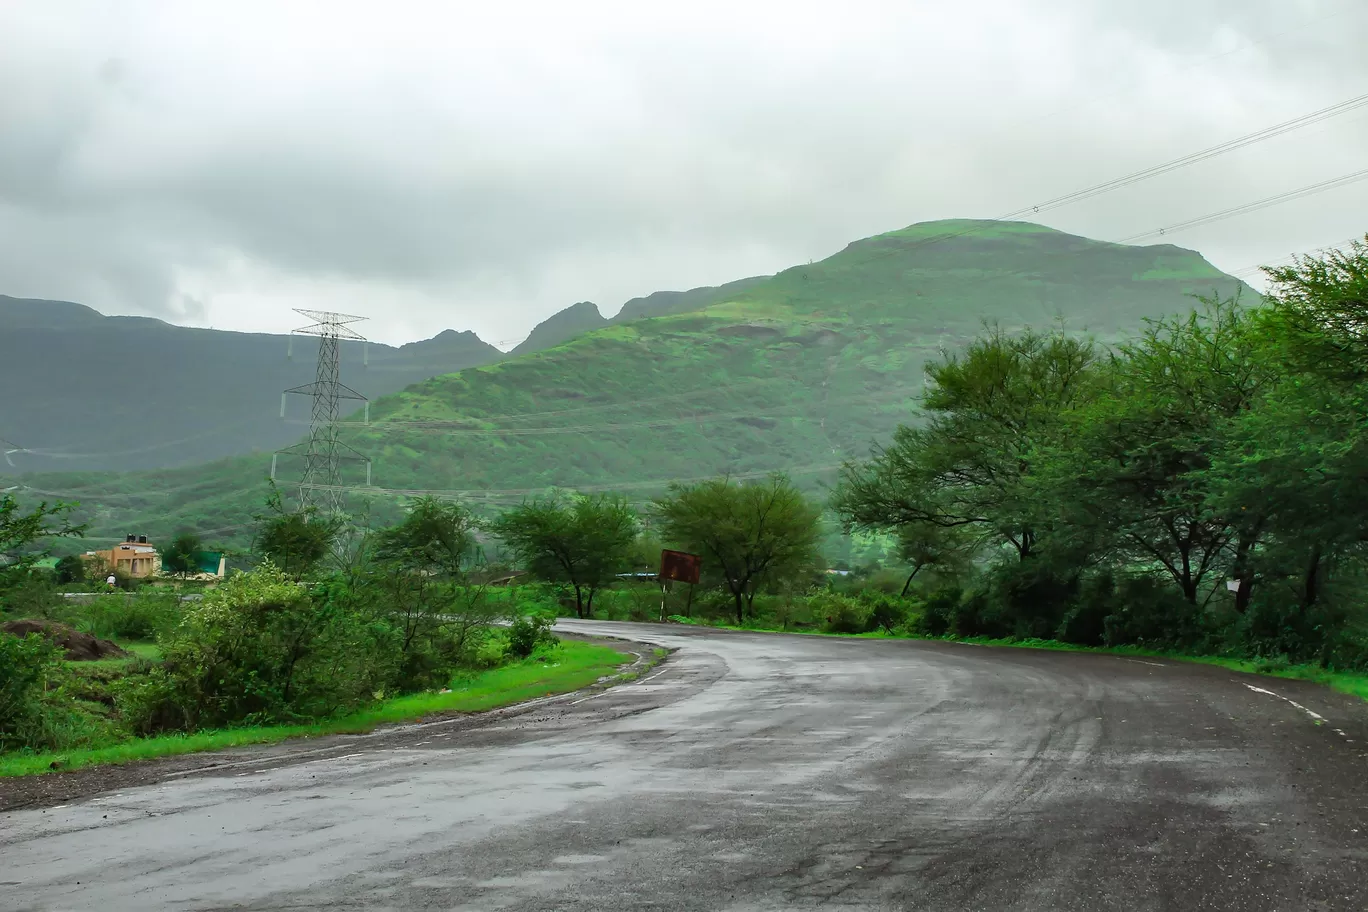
pixel 763 773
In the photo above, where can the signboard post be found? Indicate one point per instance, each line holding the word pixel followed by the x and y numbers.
pixel 678 566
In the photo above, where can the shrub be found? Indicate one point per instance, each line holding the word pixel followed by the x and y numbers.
pixel 528 634
pixel 26 665
pixel 141 616
pixel 840 613
pixel 939 612
pixel 70 569
pixel 1148 612
pixel 886 611
pixel 257 649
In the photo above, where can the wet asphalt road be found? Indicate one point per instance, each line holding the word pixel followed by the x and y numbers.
pixel 762 772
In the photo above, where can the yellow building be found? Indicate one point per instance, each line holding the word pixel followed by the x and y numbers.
pixel 134 557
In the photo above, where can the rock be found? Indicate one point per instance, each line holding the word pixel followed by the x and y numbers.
pixel 80 647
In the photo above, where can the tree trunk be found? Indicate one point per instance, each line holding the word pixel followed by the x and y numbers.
pixel 579 603
pixel 1311 582
pixel 740 609
pixel 589 605
pixel 908 584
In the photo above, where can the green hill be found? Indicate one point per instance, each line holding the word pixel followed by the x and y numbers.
pixel 795 372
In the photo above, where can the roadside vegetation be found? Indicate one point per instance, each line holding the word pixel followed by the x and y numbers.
pixel 335 629
pixel 1198 491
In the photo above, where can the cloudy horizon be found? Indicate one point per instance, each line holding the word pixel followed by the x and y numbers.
pixel 435 166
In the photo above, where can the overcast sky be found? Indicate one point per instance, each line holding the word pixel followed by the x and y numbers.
pixel 480 165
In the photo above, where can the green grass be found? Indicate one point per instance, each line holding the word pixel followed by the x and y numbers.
pixel 573 666
pixel 140 650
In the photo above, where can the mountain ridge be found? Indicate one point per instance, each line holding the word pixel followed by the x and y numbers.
pixel 799 371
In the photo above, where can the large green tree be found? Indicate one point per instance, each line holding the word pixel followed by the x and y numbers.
pixel 296 541
pixel 987 411
pixel 581 542
pixel 420 572
pixel 1130 477
pixel 748 533
pixel 181 557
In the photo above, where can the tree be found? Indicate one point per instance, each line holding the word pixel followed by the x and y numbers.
pixel 70 569
pixel 926 545
pixel 420 567
pixel 989 410
pixel 435 538
pixel 295 541
pixel 748 533
pixel 581 542
pixel 1321 303
pixel 1131 475
pixel 181 557
pixel 21 531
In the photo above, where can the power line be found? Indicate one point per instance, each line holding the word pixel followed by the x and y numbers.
pixel 1353 104
pixel 1299 193
pixel 1255 269
pixel 1356 103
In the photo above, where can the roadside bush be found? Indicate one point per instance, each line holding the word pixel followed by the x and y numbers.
pixel 1085 620
pixel 33 595
pixel 1148 612
pixel 940 612
pixel 141 616
pixel 887 612
pixel 527 635
pixel 26 665
pixel 259 649
pixel 840 613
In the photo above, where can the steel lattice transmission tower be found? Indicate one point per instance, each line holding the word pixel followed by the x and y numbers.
pixel 320 485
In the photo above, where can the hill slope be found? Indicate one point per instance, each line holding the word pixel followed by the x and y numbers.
pixel 564 324
pixel 120 393
pixel 797 372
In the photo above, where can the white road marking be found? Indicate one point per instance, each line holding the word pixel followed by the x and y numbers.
pixel 1315 715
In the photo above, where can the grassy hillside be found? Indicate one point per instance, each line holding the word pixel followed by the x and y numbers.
pixel 797 372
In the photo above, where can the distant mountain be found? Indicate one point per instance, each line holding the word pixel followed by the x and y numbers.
pixel 566 324
pixel 796 372
pixel 664 303
pixel 90 392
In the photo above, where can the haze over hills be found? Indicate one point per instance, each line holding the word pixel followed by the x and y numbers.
pixel 100 392
pixel 797 371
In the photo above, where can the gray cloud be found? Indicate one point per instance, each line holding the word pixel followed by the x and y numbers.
pixel 439 165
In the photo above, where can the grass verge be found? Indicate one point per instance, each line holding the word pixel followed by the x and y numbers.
pixel 573 666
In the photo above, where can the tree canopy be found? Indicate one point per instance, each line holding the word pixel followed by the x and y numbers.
pixel 746 533
pixel 581 542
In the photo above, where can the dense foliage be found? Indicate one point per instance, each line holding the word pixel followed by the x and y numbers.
pixel 1197 488
pixel 582 542
pixel 748 535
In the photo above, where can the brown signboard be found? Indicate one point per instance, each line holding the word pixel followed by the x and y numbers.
pixel 679 566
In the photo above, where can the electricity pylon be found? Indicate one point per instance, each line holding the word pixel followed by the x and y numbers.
pixel 321 482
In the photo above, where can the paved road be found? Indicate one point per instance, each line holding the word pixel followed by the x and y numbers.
pixel 764 773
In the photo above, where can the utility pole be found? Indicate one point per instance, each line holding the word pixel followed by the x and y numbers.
pixel 320 484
